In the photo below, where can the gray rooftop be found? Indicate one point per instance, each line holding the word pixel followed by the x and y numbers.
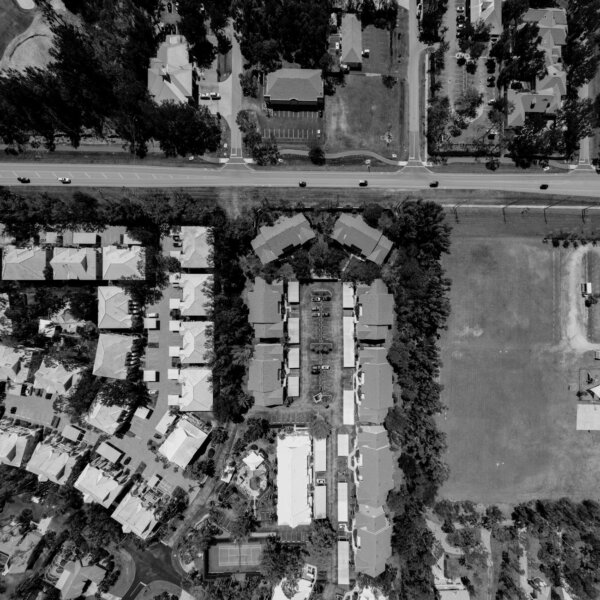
pixel 352 231
pixel 286 234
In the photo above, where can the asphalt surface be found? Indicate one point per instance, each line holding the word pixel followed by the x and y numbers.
pixel 574 183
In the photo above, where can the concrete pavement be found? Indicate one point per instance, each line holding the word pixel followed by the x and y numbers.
pixel 409 178
pixel 416 48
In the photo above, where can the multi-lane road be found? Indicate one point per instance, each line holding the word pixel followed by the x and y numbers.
pixel 575 183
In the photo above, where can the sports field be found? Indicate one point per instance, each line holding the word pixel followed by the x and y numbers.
pixel 507 368
pixel 13 21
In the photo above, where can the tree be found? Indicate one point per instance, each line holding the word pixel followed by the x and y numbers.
pixel 438 117
pixel 165 596
pixel 318 426
pixel 246 120
pixel 266 153
pixel 219 435
pixel 475 38
pixel 281 561
pixel 249 83
pixel 325 259
pixel 183 129
pixel 321 538
pixel 255 429
pixel 243 526
pixel 316 155
pixel 468 102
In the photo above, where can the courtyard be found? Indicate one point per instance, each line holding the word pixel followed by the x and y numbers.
pixel 511 363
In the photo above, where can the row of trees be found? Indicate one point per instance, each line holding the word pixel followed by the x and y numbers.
pixel 96 83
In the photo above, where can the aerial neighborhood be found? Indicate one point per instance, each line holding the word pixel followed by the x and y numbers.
pixel 288 310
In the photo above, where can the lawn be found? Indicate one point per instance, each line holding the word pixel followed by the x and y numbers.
pixel 13 21
pixel 361 113
pixel 511 415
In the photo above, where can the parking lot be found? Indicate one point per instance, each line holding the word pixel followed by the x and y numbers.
pixel 292 127
pixel 320 323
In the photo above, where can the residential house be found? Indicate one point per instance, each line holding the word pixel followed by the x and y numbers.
pixel 373 540
pixel 373 385
pixel 294 89
pixel 85 238
pixel 107 419
pixel 375 466
pixel 293 479
pixel 17 550
pixel 196 391
pixel 114 308
pixel 375 313
pixel 351 38
pixel 14 364
pixel 352 232
pixel 99 485
pixel 53 460
pixel 301 589
pixel 550 89
pixel 183 443
pixel 74 263
pixel 79 579
pixel 137 514
pixel 287 234
pixel 266 304
pixel 197 247
pixel 266 375
pixel 196 294
pixel 122 263
pixel 171 76
pixel 112 355
pixel 23 264
pixel 55 380
pixel 16 443
pixel 196 345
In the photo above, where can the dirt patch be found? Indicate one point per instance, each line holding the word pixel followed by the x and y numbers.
pixel 511 356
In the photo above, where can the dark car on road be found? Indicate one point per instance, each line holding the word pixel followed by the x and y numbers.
pixel 434 184
pixel 363 183
pixel 302 184
pixel 24 179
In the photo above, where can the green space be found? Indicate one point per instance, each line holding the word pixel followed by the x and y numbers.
pixel 13 21
pixel 510 421
pixel 364 113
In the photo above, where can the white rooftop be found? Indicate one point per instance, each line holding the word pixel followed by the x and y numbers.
pixel 195 301
pixel 135 517
pixel 183 443
pixel 197 247
pixel 293 480
pixel 97 486
pixel 51 464
pixel 105 418
pixel 253 460
pixel 588 417
pixel 122 263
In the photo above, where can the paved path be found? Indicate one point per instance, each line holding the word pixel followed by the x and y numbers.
pixel 408 178
pixel 343 154
pixel 416 49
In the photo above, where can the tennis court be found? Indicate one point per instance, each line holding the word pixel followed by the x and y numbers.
pixel 234 557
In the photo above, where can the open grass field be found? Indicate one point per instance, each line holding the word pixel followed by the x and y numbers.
pixel 13 21
pixel 507 372
pixel 361 113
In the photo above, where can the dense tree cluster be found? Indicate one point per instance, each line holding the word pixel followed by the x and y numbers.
pixel 96 83
pixel 474 38
pixel 431 21
pixel 281 560
pixel 270 31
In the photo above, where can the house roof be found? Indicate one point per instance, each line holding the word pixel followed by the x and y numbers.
pixel 19 548
pixel 588 417
pixel 196 294
pixel 113 308
pixel 85 238
pixel 170 74
pixel 531 102
pixel 72 433
pixel 10 362
pixel 14 444
pixel 76 579
pixel 122 263
pixel 196 390
pixel 54 379
pixel 376 391
pixel 285 234
pixel 546 17
pixel 23 264
pixel 293 507
pixel 50 463
pixel 105 418
pixel 111 354
pixel 319 454
pixel 303 85
pixel 264 374
pixel 351 230
pixel 109 452
pixel 343 562
pixel 377 312
pixel 377 468
pixel 264 302
pixel 196 342
pixel 135 516
pixel 351 31
pixel 374 540
pixel 293 292
pixel 183 443
pixel 73 263
pixel 98 486
pixel 196 247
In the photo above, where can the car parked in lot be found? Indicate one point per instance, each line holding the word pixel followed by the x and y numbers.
pixel 316 314
pixel 326 314
pixel 315 369
pixel 315 308
pixel 325 367
pixel 491 81
pixel 204 96
pixel 316 298
pixel 24 179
